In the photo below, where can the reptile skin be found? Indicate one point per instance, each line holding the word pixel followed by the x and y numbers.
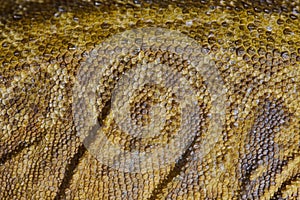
pixel 255 46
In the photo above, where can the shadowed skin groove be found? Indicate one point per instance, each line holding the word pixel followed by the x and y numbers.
pixel 267 137
pixel 174 172
pixel 18 149
pixel 278 194
pixel 73 164
pixel 22 146
pixel 70 170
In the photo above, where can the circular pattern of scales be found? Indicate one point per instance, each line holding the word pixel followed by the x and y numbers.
pixel 199 100
pixel 152 62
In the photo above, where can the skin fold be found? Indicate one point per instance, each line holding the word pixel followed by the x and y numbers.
pixel 255 45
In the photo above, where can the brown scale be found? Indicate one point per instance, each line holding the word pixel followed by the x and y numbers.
pixel 141 103
pixel 254 45
pixel 262 150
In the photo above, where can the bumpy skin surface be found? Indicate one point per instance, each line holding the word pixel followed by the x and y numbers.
pixel 256 47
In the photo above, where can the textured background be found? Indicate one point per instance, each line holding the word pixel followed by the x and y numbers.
pixel 255 46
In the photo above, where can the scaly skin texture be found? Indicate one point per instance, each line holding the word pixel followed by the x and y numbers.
pixel 255 46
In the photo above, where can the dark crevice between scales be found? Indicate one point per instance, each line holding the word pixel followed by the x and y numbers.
pixel 74 162
pixel 271 114
pixel 24 145
pixel 175 171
